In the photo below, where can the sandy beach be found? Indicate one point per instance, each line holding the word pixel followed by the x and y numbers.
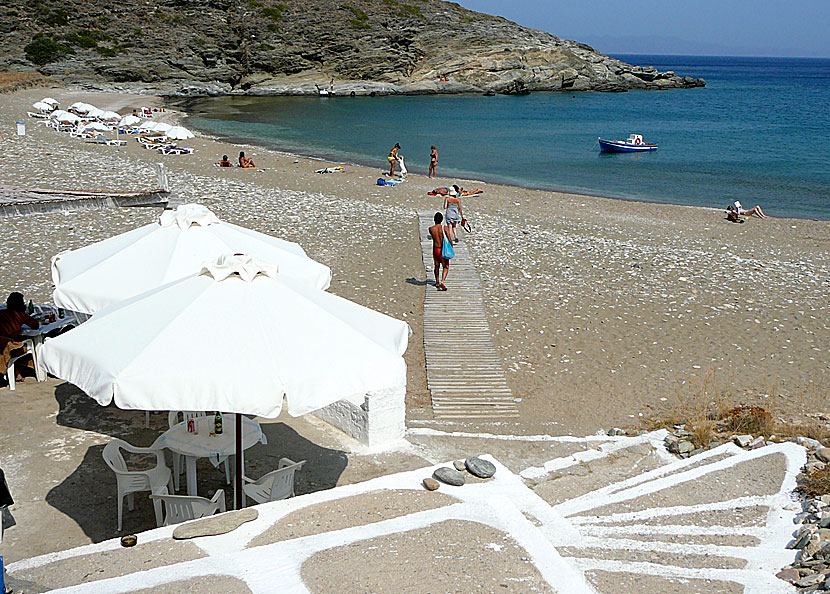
pixel 604 311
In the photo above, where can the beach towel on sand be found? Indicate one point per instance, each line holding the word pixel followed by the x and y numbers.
pixel 330 170
pixel 389 182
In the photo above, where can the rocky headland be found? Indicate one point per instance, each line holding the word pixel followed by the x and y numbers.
pixel 261 47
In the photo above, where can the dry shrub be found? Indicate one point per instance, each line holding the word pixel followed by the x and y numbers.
pixel 816 484
pixel 748 418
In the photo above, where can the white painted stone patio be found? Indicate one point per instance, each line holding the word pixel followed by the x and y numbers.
pixel 611 514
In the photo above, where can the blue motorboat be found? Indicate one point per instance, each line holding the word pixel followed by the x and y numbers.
pixel 634 144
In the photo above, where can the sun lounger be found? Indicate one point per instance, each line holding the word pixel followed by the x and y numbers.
pixel 41 116
pixel 175 150
pixel 101 139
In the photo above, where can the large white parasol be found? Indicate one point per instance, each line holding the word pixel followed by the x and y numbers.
pixel 92 277
pixel 237 337
pixel 179 133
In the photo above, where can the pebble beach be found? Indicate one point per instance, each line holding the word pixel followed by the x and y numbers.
pixel 604 312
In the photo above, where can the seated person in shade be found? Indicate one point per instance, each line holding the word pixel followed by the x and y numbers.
pixel 735 209
pixel 12 320
pixel 225 162
pixel 245 162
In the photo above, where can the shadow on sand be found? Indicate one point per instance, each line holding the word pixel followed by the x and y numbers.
pixel 88 495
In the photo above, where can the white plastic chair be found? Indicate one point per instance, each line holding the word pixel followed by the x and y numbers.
pixel 30 350
pixel 174 418
pixel 181 508
pixel 156 480
pixel 277 484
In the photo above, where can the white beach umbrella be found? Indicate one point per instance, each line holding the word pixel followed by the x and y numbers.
pixel 162 127
pixel 148 126
pixel 98 275
pixel 179 133
pixel 64 116
pixel 97 126
pixel 237 337
pixel 129 120
pixel 110 116
pixel 42 106
pixel 54 103
pixel 94 112
pixel 82 107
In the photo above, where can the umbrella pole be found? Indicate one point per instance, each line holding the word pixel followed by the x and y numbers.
pixel 239 453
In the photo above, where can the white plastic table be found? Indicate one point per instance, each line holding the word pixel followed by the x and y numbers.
pixel 69 319
pixel 204 445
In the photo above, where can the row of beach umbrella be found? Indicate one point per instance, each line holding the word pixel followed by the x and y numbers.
pixel 193 313
pixel 103 120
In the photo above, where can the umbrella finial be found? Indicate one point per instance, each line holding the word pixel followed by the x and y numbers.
pixel 242 265
pixel 187 215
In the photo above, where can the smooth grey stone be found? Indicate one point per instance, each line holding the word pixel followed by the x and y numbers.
pixel 742 440
pixel 480 468
pixel 823 454
pixel 788 574
pixel 450 476
pixel 824 522
pixel 459 465
pixel 218 524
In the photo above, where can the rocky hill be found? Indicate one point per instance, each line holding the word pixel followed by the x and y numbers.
pixel 193 47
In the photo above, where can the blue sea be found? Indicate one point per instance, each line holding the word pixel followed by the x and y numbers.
pixel 756 133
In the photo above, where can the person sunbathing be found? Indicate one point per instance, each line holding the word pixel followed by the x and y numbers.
pixel 455 191
pixel 245 162
pixel 735 209
pixel 225 162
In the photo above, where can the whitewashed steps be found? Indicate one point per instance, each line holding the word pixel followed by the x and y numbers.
pixel 464 373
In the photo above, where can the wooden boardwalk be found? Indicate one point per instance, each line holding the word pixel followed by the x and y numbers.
pixel 464 372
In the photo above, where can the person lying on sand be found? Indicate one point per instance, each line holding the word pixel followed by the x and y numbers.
pixel 245 162
pixel 225 162
pixel 455 191
pixel 735 209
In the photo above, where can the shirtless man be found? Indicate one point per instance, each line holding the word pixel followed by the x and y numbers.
pixel 437 233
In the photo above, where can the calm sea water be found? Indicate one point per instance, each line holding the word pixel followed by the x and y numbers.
pixel 754 133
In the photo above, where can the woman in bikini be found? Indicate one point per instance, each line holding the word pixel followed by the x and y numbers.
pixel 245 162
pixel 393 158
pixel 433 161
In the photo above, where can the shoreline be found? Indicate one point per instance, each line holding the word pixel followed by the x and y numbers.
pixel 343 157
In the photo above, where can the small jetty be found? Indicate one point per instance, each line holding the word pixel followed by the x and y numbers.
pixel 464 372
pixel 23 201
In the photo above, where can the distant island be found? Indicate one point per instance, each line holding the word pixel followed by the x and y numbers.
pixel 263 47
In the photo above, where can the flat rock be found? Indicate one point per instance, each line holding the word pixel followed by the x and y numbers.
pixel 450 476
pixel 431 484
pixel 459 465
pixel 480 468
pixel 788 574
pixel 214 525
pixel 685 447
pixel 823 454
pixel 742 440
pixel 810 580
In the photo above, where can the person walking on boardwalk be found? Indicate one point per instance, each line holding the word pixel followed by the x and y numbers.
pixel 437 234
pixel 452 206
pixel 433 161
pixel 393 158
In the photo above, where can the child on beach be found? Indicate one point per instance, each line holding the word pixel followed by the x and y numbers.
pixel 438 260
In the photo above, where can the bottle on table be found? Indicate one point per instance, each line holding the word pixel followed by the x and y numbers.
pixel 217 421
pixel 31 308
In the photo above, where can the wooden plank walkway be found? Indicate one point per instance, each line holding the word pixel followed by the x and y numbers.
pixel 464 372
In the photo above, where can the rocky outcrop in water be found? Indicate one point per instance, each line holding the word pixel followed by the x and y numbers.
pixel 199 47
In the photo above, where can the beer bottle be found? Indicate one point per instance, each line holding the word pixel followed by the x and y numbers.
pixel 217 422
pixel 31 308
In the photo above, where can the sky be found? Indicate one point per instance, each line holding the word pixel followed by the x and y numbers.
pixel 798 28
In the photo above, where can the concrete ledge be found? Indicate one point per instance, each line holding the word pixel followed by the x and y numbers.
pixel 381 418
